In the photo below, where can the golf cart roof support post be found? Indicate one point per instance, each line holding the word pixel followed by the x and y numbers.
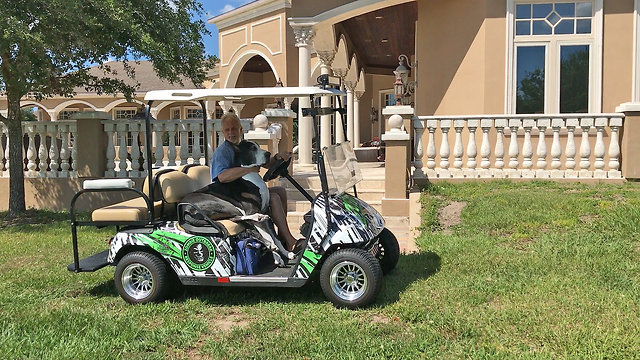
pixel 205 142
pixel 147 147
pixel 322 171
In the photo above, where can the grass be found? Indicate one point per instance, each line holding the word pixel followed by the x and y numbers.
pixel 534 270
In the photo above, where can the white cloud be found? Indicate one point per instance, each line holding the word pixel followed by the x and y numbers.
pixel 227 8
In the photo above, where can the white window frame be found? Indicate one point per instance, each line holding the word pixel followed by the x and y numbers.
pixel 171 111
pixel 552 73
pixel 186 112
pixel 65 110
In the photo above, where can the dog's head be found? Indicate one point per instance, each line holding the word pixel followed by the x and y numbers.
pixel 248 153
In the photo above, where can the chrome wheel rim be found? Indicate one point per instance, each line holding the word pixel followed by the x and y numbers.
pixel 137 281
pixel 348 281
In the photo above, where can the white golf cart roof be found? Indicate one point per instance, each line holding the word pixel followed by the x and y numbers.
pixel 238 94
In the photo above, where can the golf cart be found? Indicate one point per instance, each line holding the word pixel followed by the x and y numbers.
pixel 158 241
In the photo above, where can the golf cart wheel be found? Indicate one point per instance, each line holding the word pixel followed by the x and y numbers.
pixel 351 278
pixel 141 277
pixel 388 252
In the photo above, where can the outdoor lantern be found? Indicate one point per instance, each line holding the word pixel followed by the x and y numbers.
pixel 402 88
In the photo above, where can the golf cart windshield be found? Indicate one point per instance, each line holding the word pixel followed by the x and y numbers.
pixel 343 167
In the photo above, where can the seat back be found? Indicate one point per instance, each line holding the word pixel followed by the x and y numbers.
pixel 200 174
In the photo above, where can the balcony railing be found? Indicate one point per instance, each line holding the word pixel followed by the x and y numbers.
pixel 538 146
pixel 48 149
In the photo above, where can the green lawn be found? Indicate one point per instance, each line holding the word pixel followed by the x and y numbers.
pixel 534 271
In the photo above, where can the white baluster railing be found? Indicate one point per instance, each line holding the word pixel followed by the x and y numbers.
pixel 553 157
pixel 124 160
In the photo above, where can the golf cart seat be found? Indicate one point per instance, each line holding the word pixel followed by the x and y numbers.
pixel 170 186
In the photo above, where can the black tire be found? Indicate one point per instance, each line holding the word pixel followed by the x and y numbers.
pixel 351 278
pixel 141 277
pixel 389 251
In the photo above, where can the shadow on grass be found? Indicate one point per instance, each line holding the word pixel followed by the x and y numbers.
pixel 410 268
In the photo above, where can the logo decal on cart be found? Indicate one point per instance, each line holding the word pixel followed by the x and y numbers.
pixel 198 253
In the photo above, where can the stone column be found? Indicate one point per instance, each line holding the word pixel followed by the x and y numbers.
pixel 396 197
pixel 356 118
pixel 326 58
pixel 350 101
pixel 304 37
pixel 630 136
pixel 91 143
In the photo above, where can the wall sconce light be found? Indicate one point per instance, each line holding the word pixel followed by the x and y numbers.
pixel 373 115
pixel 402 88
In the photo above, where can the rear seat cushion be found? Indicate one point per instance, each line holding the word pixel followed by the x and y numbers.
pixel 130 210
pixel 174 185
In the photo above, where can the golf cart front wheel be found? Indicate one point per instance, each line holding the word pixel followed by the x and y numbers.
pixel 141 277
pixel 351 278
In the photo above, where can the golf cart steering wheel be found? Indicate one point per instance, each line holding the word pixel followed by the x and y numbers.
pixel 280 168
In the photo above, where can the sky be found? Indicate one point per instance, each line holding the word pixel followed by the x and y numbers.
pixel 215 8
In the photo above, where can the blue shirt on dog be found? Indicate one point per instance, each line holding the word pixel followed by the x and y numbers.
pixel 223 158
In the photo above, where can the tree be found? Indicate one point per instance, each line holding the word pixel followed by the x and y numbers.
pixel 47 47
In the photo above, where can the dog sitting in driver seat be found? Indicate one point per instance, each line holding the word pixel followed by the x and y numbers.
pixel 244 199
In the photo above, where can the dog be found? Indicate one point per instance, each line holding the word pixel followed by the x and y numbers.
pixel 244 199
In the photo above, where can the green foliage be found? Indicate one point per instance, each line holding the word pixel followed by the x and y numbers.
pixel 530 98
pixel 47 48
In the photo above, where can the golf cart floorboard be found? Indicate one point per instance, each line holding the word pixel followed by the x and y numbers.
pixel 92 263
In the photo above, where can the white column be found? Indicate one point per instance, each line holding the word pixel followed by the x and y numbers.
pixel 445 125
pixel 514 149
pixel 304 36
pixel 356 118
pixel 570 151
pixel 541 151
pixel 499 150
pixel 599 149
pixel 585 149
pixel 485 148
pixel 418 126
pixel 614 149
pixel 350 101
pixel 472 149
pixel 432 125
pixel 556 149
pixel 326 57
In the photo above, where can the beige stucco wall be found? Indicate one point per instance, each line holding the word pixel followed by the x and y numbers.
pixel 617 63
pixel 268 36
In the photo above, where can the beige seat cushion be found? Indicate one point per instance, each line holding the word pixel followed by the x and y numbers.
pixel 232 227
pixel 174 185
pixel 201 174
pixel 130 210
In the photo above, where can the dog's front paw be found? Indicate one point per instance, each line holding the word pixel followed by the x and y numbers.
pixel 291 255
pixel 277 259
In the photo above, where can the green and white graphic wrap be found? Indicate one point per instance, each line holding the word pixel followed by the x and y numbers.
pixel 187 254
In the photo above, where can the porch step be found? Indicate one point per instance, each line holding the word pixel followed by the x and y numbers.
pixel 304 205
pixel 367 195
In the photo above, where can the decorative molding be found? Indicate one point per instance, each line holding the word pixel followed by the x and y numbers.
pixel 265 21
pixel 303 35
pixel 326 57
pixel 240 46
pixel 248 12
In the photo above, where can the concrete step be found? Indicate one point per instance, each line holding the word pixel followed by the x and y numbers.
pixel 367 195
pixel 313 182
pixel 305 205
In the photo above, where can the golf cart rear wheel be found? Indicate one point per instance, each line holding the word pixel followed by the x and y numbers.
pixel 351 278
pixel 141 277
pixel 388 252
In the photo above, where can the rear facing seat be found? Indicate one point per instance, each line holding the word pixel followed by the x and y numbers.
pixel 170 187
